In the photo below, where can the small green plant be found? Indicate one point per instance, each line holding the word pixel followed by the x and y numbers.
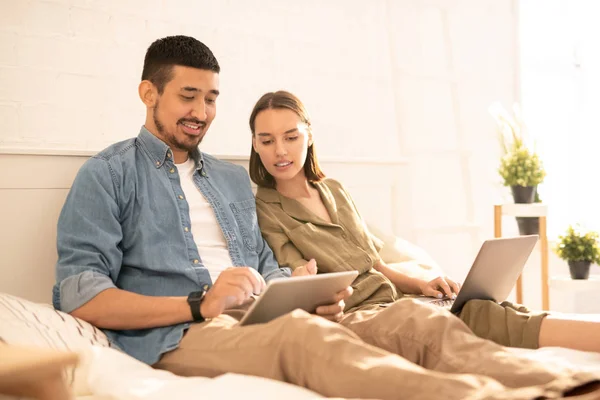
pixel 578 245
pixel 519 165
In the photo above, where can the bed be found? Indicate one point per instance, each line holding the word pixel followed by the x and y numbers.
pixel 26 278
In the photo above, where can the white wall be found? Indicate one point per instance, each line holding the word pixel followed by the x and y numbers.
pixel 383 80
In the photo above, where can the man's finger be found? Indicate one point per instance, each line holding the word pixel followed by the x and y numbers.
pixel 250 275
pixel 259 283
pixel 243 283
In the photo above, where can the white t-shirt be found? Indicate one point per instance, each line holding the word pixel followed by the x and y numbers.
pixel 206 230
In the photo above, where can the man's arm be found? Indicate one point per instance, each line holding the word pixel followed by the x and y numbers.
pixel 120 310
pixel 89 262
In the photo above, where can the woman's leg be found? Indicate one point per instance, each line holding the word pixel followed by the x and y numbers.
pixel 515 325
pixel 432 337
pixel 578 332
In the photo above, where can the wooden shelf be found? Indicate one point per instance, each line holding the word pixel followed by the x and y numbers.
pixel 564 282
pixel 524 210
pixel 535 210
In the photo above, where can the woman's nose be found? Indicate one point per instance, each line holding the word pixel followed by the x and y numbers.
pixel 280 149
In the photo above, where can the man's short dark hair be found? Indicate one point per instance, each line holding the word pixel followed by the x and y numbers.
pixel 165 53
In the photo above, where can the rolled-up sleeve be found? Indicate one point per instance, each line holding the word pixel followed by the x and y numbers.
pixel 286 254
pixel 89 235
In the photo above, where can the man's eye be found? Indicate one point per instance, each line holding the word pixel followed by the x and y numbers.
pixel 187 98
pixel 211 101
pixel 292 138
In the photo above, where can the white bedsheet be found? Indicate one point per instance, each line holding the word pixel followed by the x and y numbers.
pixel 111 375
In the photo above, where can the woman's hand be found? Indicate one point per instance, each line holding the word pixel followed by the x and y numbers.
pixel 310 268
pixel 334 312
pixel 440 287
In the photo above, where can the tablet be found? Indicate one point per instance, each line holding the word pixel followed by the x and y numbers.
pixel 283 295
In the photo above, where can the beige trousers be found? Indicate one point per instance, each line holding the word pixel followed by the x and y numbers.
pixel 406 350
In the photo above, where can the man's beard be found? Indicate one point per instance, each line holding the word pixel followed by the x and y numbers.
pixel 191 148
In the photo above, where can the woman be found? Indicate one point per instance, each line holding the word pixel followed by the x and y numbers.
pixel 304 216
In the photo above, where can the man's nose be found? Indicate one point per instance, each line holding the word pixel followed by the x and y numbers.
pixel 199 111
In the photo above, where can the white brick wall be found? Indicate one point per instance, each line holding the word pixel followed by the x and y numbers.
pixel 382 79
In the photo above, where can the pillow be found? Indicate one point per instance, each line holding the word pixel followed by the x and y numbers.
pixel 33 324
pixel 406 257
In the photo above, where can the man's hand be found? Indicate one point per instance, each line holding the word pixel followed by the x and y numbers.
pixel 440 287
pixel 233 287
pixel 335 311
pixel 310 268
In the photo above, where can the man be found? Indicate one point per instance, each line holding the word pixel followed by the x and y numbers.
pixel 148 227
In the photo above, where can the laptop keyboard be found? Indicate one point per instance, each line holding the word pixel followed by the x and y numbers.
pixel 443 302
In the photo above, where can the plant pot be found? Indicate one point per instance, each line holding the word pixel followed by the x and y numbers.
pixel 523 194
pixel 579 269
pixel 528 225
pixel 526 195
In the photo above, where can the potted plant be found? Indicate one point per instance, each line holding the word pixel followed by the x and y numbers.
pixel 580 249
pixel 520 165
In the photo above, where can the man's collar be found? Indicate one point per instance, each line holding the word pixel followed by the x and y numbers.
pixel 159 151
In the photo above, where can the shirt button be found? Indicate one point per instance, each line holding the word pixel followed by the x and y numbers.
pixel 168 154
pixel 157 163
pixel 205 287
pixel 196 261
pixel 186 229
pixel 172 170
pixel 180 197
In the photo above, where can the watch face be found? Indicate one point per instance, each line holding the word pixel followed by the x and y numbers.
pixel 196 296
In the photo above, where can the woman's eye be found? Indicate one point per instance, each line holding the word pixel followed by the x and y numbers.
pixel 267 142
pixel 292 138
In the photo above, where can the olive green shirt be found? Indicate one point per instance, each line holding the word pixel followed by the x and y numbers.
pixel 296 235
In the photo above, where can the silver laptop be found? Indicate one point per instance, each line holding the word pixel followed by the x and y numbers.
pixel 494 272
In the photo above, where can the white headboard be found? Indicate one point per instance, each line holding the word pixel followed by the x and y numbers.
pixel 33 188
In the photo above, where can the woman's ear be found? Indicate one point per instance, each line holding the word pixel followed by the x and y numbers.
pixel 148 93
pixel 310 139
pixel 254 143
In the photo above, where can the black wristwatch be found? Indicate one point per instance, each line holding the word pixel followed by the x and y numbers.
pixel 194 300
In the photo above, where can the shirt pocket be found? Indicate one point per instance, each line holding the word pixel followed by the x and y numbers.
pixel 322 244
pixel 244 213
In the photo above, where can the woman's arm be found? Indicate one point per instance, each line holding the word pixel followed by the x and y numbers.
pixel 438 287
pixel 404 283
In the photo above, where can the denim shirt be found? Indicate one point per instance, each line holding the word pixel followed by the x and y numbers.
pixel 126 224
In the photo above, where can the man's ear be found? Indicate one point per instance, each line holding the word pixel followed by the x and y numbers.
pixel 148 93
